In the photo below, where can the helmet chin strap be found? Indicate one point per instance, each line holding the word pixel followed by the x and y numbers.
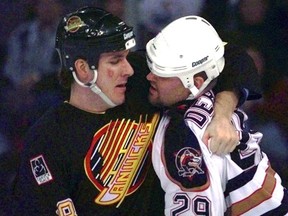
pixel 194 92
pixel 92 85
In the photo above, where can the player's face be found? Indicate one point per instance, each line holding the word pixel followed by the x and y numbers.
pixel 166 91
pixel 113 73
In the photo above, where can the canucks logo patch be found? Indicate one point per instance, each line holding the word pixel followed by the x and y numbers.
pixel 40 170
pixel 73 24
pixel 118 158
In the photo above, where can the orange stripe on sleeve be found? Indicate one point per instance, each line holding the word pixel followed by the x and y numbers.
pixel 262 194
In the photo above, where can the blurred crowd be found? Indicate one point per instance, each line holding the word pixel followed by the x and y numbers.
pixel 29 62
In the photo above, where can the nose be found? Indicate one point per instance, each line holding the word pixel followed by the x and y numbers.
pixel 127 68
pixel 150 76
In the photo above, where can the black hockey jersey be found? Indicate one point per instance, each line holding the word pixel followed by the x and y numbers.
pixel 92 164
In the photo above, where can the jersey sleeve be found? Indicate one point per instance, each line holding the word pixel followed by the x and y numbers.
pixel 240 74
pixel 253 187
pixel 41 181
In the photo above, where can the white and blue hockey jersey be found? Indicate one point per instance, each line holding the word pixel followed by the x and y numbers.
pixel 197 182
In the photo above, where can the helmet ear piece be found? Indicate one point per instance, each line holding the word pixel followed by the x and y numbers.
pixel 184 48
pixel 198 81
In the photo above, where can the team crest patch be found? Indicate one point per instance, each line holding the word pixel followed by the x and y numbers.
pixel 118 159
pixel 189 162
pixel 73 24
pixel 40 170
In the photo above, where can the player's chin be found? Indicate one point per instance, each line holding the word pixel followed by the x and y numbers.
pixel 119 99
pixel 153 100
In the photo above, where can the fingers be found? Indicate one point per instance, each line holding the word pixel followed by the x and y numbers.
pixel 224 144
pixel 214 145
pixel 222 136
pixel 225 149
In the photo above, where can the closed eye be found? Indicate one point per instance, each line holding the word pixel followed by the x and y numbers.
pixel 114 61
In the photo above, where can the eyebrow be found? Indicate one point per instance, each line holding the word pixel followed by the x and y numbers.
pixel 116 56
pixel 119 54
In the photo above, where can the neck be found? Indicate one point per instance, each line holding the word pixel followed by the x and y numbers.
pixel 85 99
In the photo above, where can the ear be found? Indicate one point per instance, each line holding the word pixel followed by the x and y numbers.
pixel 83 71
pixel 198 81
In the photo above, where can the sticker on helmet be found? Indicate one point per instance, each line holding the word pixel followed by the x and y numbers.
pixel 201 61
pixel 128 35
pixel 73 24
pixel 130 43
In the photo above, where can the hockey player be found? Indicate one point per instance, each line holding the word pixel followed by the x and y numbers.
pixel 91 155
pixel 185 59
pixel 85 156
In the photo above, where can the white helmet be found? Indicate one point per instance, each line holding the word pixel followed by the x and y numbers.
pixel 185 47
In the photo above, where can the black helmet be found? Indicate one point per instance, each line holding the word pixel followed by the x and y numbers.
pixel 88 32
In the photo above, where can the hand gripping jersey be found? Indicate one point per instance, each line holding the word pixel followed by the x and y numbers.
pixel 82 163
pixel 199 183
